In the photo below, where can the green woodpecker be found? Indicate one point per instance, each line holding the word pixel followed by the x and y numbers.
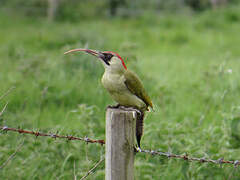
pixel 123 85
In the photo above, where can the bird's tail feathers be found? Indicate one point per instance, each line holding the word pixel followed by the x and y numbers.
pixel 139 127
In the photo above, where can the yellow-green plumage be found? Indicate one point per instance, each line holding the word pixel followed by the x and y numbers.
pixel 127 90
pixel 134 84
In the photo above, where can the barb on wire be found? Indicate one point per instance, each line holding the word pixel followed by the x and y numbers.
pixel 12 156
pixel 186 157
pixel 68 137
pixel 93 168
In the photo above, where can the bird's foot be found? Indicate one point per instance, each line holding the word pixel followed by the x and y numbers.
pixel 113 107
pixel 127 108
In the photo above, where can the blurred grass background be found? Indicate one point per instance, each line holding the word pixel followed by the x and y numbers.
pixel 187 56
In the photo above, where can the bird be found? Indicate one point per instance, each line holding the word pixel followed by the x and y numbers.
pixel 124 86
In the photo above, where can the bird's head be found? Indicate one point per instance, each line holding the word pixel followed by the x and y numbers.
pixel 111 61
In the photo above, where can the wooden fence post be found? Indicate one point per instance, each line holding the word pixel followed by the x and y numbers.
pixel 52 9
pixel 120 140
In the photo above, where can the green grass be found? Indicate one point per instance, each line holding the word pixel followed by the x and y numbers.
pixel 184 62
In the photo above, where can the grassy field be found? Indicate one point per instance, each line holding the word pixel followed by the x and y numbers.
pixel 189 64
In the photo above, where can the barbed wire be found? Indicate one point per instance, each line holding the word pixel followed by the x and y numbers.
pixel 55 136
pixel 186 157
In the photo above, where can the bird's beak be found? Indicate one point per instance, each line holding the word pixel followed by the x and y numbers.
pixel 95 53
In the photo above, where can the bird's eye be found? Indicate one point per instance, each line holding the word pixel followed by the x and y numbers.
pixel 107 58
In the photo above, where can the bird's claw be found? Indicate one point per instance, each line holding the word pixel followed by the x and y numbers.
pixel 129 109
pixel 126 108
pixel 113 106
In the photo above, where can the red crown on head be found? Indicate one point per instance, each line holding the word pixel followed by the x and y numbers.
pixel 116 54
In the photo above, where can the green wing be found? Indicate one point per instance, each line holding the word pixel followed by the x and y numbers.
pixel 134 84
